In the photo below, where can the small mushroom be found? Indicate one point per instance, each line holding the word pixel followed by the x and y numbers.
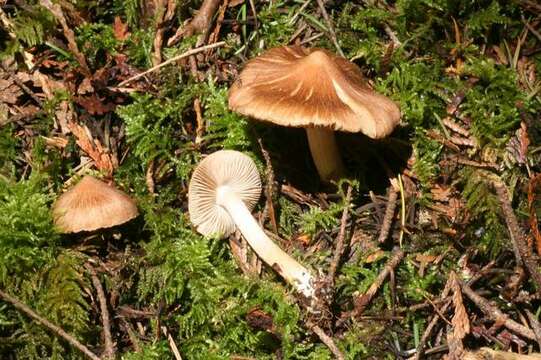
pixel 91 205
pixel 224 188
pixel 315 89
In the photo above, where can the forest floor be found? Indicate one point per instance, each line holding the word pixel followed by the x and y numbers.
pixel 429 248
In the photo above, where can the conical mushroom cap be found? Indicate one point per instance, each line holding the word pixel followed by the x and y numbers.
pixel 92 205
pixel 222 168
pixel 299 87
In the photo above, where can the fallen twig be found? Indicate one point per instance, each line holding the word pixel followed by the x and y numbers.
pixel 200 122
pixel 269 187
pixel 536 326
pixel 339 249
pixel 200 22
pixel 131 334
pixel 389 215
pixel 332 33
pixel 328 341
pixel 54 328
pixel 424 338
pixel 165 10
pixel 172 344
pixel 363 300
pixel 173 59
pixel 520 245
pixel 56 10
pixel 495 314
pixel 221 14
pixel 109 352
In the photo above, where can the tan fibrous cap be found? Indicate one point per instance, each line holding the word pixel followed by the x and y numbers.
pixel 299 87
pixel 225 168
pixel 91 205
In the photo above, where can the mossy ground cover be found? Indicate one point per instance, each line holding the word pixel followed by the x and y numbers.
pixel 466 76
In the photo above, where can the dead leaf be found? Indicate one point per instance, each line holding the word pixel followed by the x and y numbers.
pixel 120 29
pixel 234 3
pixel 56 142
pixel 303 238
pixel 104 160
pixel 440 193
pixel 460 320
pixel 524 140
pixel 375 256
pixel 85 87
pixel 533 204
pixel 93 105
pixel 9 91
pixel 260 320
pixel 424 260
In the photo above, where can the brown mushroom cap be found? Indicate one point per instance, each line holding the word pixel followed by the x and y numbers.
pixel 92 205
pixel 222 168
pixel 299 87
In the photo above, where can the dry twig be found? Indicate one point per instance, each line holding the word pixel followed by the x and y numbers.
pixel 362 301
pixel 165 10
pixel 172 344
pixel 109 352
pixel 173 59
pixel 389 215
pixel 340 242
pixel 200 122
pixel 330 25
pixel 269 188
pixel 199 24
pixel 496 314
pixel 56 10
pixel 522 251
pixel 434 321
pixel 56 329
pixel 328 341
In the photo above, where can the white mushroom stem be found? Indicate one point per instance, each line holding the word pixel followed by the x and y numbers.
pixel 325 153
pixel 293 272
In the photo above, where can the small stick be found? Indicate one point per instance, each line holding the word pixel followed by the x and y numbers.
pixel 389 214
pixel 56 10
pixel 536 326
pixel 23 87
pixel 496 314
pixel 433 322
pixel 339 250
pixel 214 36
pixel 362 301
pixel 172 344
pixel 200 23
pixel 521 248
pixel 173 59
pixel 109 345
pixel 131 334
pixel 149 177
pixel 455 127
pixel 328 341
pixel 331 27
pixel 165 10
pixel 390 33
pixel 200 129
pixel 270 185
pixel 56 329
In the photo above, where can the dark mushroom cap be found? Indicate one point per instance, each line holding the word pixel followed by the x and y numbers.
pixel 223 168
pixel 92 205
pixel 299 87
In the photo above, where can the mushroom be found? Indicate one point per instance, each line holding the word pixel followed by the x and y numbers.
pixel 92 205
pixel 317 90
pixel 224 187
